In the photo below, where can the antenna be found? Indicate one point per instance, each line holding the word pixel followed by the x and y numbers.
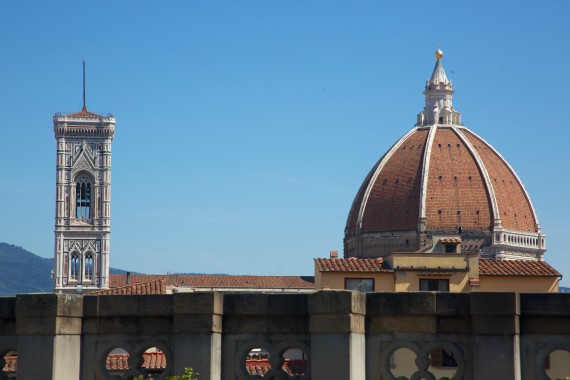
pixel 84 104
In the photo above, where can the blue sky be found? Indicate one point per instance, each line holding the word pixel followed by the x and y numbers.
pixel 244 128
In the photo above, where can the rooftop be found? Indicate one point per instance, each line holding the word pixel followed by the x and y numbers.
pixel 216 281
pixel 516 268
pixel 352 265
pixel 149 287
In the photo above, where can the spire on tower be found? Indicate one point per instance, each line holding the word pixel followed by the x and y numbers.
pixel 84 103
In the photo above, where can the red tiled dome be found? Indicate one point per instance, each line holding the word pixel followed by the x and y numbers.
pixel 440 179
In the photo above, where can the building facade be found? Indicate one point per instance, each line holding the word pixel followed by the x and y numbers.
pixel 83 200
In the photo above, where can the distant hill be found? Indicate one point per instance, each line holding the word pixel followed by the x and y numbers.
pixel 24 272
pixel 563 289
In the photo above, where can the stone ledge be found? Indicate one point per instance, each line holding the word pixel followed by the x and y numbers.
pixel 198 303
pixel 265 304
pixel 26 326
pixel 197 323
pixel 546 304
pixel 545 325
pixel 494 324
pixel 417 324
pixel 337 302
pixel 49 305
pixel 489 303
pixel 452 304
pixel 416 303
pixel 7 307
pixel 336 323
pixel 128 305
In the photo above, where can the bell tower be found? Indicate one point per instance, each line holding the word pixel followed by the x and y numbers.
pixel 83 200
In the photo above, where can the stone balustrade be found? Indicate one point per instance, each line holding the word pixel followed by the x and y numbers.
pixel 324 335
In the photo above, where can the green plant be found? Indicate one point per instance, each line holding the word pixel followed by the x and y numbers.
pixel 188 374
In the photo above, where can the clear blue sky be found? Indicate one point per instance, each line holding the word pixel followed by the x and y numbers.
pixel 244 128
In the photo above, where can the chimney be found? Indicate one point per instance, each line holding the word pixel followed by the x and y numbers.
pixel 128 278
pixel 334 254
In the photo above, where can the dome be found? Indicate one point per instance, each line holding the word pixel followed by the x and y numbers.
pixel 441 185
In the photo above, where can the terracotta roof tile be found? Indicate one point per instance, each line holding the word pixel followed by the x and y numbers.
pixel 154 360
pixel 151 361
pixel 260 367
pixel 149 287
pixel 11 365
pixel 516 268
pixel 352 265
pixel 117 362
pixel 83 113
pixel 218 281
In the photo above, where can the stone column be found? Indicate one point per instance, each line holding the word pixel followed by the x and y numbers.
pixel 49 336
pixel 337 323
pixel 197 328
pixel 495 329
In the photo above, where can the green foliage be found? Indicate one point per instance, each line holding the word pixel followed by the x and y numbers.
pixel 188 374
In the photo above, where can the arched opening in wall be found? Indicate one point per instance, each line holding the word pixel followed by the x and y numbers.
pixel 557 364
pixel 295 362
pixel 75 267
pixel 89 266
pixel 82 197
pixel 9 363
pixel 403 363
pixel 257 362
pixel 117 363
pixel 442 363
pixel 153 363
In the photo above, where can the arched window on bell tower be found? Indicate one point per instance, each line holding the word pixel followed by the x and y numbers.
pixel 75 267
pixel 89 266
pixel 83 197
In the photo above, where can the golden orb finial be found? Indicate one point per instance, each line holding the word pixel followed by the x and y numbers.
pixel 438 53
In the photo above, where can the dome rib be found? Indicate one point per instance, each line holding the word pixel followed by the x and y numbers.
pixel 486 177
pixel 425 176
pixel 381 163
pixel 536 224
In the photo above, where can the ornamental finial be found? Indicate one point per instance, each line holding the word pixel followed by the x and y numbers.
pixel 438 53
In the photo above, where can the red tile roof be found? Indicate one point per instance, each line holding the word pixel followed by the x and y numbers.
pixel 150 287
pixel 84 113
pixel 260 367
pixel 352 265
pixel 154 360
pixel 516 268
pixel 117 362
pixel 11 365
pixel 151 361
pixel 218 281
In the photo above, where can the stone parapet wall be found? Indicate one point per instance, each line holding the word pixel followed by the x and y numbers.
pixel 324 335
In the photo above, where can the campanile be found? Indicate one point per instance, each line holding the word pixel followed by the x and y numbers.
pixel 83 200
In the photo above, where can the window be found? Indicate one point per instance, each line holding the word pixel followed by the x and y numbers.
pixel 359 284
pixel 83 198
pixel 74 266
pixel 442 358
pixel 89 266
pixel 434 285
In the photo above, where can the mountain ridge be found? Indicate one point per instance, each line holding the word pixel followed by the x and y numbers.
pixel 22 271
